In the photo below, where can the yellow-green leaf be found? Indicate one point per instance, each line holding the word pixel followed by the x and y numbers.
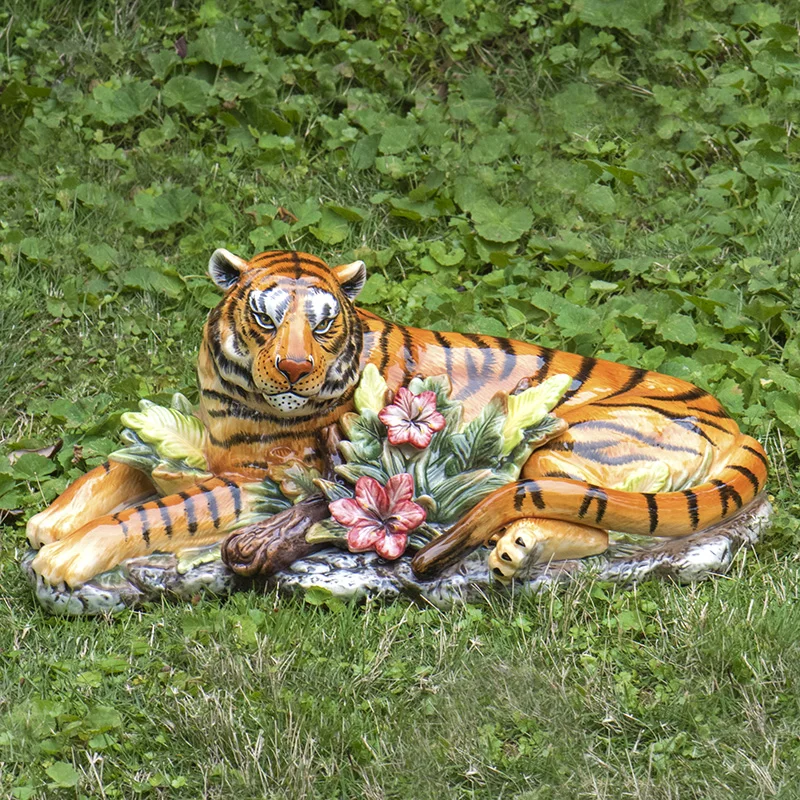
pixel 371 391
pixel 173 434
pixel 530 407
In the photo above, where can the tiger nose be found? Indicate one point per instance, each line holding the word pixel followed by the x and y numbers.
pixel 294 370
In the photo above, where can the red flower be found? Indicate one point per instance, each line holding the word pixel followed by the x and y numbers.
pixel 412 418
pixel 379 518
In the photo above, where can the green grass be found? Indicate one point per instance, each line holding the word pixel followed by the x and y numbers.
pixel 638 162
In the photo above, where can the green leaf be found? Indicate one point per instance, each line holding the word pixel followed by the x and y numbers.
pixel 102 255
pixel 63 775
pixel 628 15
pixel 364 152
pixel 398 139
pixel 678 328
pixel 444 257
pixel 101 719
pixel 152 280
pixel 414 210
pixel 221 46
pixel 32 466
pixel 530 407
pixel 331 229
pixel 160 212
pixel 457 495
pixel 350 213
pixel 328 530
pixel 193 94
pixel 91 194
pixel 499 223
pixel 371 391
pixel 114 106
pixel 599 199
pixel 484 436
pixel 173 434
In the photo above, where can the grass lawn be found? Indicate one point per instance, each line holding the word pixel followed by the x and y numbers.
pixel 613 177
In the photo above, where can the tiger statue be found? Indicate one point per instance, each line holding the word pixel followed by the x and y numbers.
pixel 280 359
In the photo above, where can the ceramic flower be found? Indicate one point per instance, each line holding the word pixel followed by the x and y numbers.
pixel 378 517
pixel 412 418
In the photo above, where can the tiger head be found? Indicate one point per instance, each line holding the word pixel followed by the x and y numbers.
pixel 287 329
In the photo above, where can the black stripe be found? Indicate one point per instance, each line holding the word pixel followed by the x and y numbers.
pixel 223 362
pixel 165 517
pixel 222 398
pixel 212 504
pixel 694 393
pixel 652 509
pixel 271 258
pixel 486 351
pixel 232 388
pixel 250 438
pixel 410 365
pixel 625 430
pixel 535 493
pixel 723 495
pixel 142 512
pixel 468 389
pixel 106 466
pixel 188 509
pixel 236 496
pixel 447 346
pixel 383 346
pixel 718 414
pixel 748 474
pixel 594 493
pixel 547 356
pixel 691 502
pixel 597 455
pixel 689 423
pixel 122 523
pixel 509 357
pixel 636 377
pixel 519 496
pixel 757 454
pixel 559 474
pixel 727 492
pixel 584 371
pixel 239 412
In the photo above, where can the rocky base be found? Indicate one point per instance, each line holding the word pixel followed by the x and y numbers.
pixel 137 581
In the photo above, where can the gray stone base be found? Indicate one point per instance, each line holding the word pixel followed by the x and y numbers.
pixel 139 580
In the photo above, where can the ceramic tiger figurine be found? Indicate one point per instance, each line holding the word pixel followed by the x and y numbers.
pixel 279 361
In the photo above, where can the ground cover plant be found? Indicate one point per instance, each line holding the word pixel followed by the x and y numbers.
pixel 613 177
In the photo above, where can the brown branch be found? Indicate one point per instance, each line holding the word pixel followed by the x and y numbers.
pixel 269 546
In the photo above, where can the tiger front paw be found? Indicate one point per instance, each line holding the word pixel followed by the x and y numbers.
pixel 72 562
pixel 48 526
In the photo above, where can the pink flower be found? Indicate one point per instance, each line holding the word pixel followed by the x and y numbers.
pixel 412 418
pixel 379 518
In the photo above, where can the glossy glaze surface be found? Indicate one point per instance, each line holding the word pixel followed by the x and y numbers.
pixel 279 362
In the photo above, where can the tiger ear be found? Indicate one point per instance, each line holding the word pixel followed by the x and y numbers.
pixel 351 277
pixel 225 268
